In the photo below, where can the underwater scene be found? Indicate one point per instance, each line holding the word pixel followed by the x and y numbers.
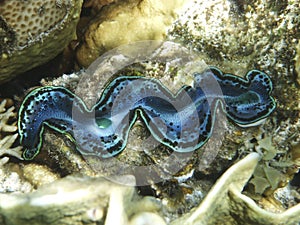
pixel 142 112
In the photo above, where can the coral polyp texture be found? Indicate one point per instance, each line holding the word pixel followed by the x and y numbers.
pixel 28 21
pixel 33 32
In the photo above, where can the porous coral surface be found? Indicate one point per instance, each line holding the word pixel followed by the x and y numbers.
pixel 34 32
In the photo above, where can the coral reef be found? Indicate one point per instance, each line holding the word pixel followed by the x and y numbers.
pixel 33 32
pixel 233 35
pixel 259 140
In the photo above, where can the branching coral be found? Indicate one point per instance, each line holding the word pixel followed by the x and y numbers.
pixel 5 115
pixel 6 128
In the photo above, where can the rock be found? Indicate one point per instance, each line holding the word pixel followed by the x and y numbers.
pixel 33 32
